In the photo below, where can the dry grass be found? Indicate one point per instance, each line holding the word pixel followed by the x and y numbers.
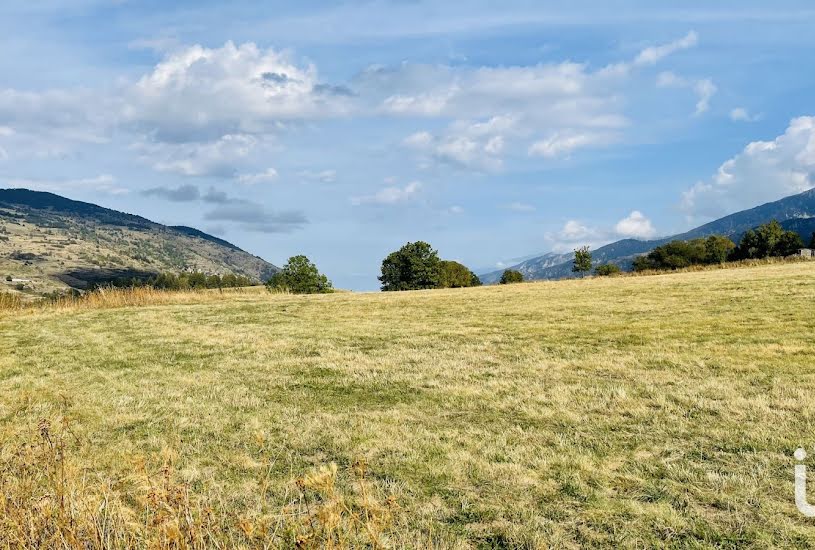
pixel 10 302
pixel 634 412
pixel 111 298
pixel 48 502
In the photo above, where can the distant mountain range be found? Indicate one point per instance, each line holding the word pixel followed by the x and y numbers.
pixel 49 242
pixel 796 213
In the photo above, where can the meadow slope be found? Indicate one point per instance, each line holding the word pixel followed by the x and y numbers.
pixel 639 411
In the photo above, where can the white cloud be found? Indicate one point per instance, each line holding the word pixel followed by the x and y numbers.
pixel 764 171
pixel 573 234
pixel 496 107
pixel 267 176
pixel 650 56
pixel 574 230
pixel 563 145
pixel 473 145
pixel 104 183
pixel 455 209
pixel 705 89
pixel 635 225
pixel 200 93
pixel 740 114
pixel 220 158
pixel 80 115
pixel 576 233
pixel 419 105
pixel 669 79
pixel 390 195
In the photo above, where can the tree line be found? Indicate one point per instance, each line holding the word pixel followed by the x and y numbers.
pixel 417 265
pixel 193 280
pixel 766 241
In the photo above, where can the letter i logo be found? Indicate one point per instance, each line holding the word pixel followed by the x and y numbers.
pixel 801 485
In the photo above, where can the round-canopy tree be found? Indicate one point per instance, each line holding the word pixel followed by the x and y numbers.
pixel 415 266
pixel 511 276
pixel 300 276
pixel 455 275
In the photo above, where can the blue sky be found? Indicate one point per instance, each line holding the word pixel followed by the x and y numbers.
pixel 341 130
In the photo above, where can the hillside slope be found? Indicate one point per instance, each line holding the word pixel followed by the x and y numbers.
pixel 647 412
pixel 49 242
pixel 794 213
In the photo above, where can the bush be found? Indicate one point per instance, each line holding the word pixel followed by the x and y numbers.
pixel 8 278
pixel 511 276
pixel 608 270
pixel 455 275
pixel 300 276
pixel 715 249
pixel 415 266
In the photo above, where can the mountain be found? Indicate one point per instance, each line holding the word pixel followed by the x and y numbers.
pixel 49 242
pixel 796 213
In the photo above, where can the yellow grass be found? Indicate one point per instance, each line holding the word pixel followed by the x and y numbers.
pixel 634 412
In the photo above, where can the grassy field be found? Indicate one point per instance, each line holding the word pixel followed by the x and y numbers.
pixel 636 412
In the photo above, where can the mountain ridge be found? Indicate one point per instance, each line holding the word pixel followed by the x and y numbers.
pixel 788 210
pixel 50 243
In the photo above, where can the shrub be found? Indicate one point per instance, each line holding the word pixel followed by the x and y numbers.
pixel 415 266
pixel 607 270
pixel 186 281
pixel 9 278
pixel 511 276
pixel 715 249
pixel 455 275
pixel 300 276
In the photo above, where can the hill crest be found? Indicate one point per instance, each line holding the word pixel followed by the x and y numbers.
pixel 49 242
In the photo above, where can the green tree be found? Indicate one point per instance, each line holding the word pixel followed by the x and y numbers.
pixel 511 276
pixel 582 260
pixel 768 240
pixel 812 240
pixel 789 244
pixel 197 280
pixel 607 270
pixel 718 249
pixel 455 275
pixel 415 266
pixel 300 276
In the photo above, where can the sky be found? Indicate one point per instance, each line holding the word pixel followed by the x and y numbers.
pixel 342 130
